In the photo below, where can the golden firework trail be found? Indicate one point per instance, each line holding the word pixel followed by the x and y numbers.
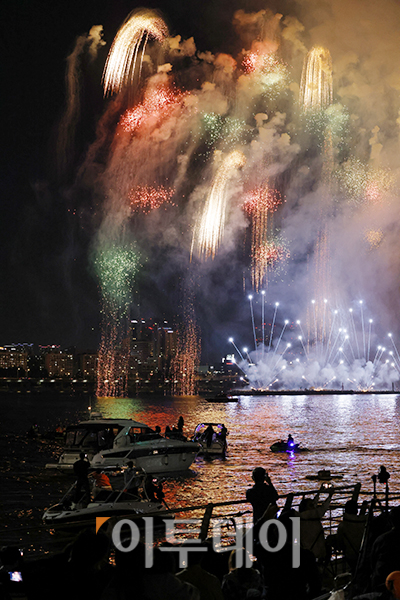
pixel 258 204
pixel 187 359
pixel 128 48
pixel 209 232
pixel 316 89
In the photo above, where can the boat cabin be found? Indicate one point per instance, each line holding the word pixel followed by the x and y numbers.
pixel 104 434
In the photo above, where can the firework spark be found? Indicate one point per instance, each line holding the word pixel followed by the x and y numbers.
pixel 145 198
pixel 316 91
pixel 128 48
pixel 158 104
pixel 363 184
pixel 262 199
pixel 265 257
pixel 187 358
pixel 374 238
pixel 115 268
pixel 209 232
pixel 251 62
pixel 258 204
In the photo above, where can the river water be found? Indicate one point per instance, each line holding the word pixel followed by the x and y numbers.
pixel 350 435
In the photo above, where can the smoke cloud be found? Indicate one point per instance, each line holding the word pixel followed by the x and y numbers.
pixel 334 234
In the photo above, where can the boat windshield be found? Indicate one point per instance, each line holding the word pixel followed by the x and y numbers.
pixel 92 436
pixel 201 428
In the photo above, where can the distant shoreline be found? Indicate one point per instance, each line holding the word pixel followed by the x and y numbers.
pixel 311 392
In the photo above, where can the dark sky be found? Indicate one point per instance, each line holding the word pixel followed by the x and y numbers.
pixel 47 293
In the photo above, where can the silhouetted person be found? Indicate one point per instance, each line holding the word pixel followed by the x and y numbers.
pixel 207 584
pixel 385 554
pixel 81 470
pixel 350 532
pixel 154 492
pixel 132 478
pixel 180 424
pixel 208 435
pixel 281 579
pixel 261 494
pixel 290 441
pixel 160 583
pixel 223 433
pixel 239 580
pixel 167 431
pixel 312 535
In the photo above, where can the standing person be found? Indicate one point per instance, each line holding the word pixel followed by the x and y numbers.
pixel 262 494
pixel 81 470
pixel 180 424
pixel 209 435
pixel 132 479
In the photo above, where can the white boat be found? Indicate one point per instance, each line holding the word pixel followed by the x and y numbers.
pixel 111 443
pixel 107 503
pixel 212 438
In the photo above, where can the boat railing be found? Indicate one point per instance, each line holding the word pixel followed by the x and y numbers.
pixel 230 511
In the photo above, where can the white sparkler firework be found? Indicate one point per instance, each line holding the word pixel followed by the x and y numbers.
pixel 345 357
pixel 208 234
pixel 316 88
pixel 129 46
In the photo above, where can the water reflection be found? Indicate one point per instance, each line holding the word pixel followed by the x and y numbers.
pixel 350 435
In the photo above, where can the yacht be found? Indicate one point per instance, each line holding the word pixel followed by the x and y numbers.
pixel 111 443
pixel 107 503
pixel 212 438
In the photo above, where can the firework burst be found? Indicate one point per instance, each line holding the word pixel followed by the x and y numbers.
pixel 187 358
pixel 159 103
pixel 209 232
pixel 266 257
pixel 258 204
pixel 128 48
pixel 115 267
pixel 145 198
pixel 363 184
pixel 374 238
pixel 316 88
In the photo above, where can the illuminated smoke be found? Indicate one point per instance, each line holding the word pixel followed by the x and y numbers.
pixel 159 103
pixel 316 91
pixel 90 45
pixel 124 61
pixel 348 355
pixel 362 183
pixel 209 232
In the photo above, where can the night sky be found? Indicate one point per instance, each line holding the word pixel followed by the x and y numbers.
pixel 49 293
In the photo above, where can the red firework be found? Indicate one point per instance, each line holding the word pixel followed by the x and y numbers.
pixel 158 104
pixel 263 199
pixel 251 62
pixel 145 198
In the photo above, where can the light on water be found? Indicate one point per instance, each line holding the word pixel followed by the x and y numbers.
pixel 350 435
